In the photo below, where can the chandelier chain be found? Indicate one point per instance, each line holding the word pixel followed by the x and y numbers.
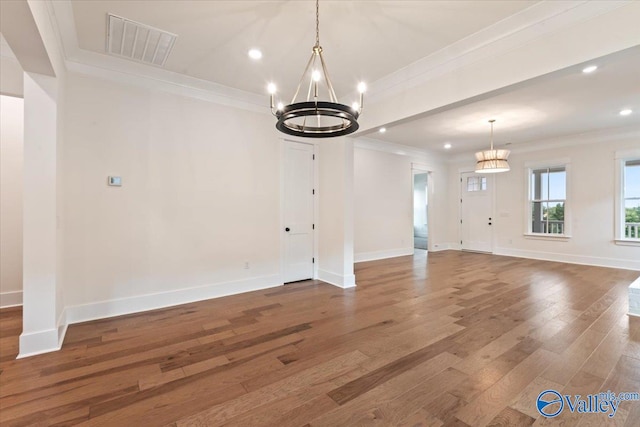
pixel 491 121
pixel 317 22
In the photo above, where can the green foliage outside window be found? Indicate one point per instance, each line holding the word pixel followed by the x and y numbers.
pixel 554 213
pixel 632 215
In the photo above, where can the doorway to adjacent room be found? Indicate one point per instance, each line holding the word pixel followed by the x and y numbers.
pixel 420 203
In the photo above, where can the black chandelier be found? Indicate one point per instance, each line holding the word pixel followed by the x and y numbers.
pixel 314 118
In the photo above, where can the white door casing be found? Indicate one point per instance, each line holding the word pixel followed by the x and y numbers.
pixel 298 214
pixel 476 212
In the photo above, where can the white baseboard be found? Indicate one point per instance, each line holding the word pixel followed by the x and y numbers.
pixel 10 299
pixel 447 246
pixel 34 343
pixel 625 264
pixel 136 304
pixel 341 281
pixel 40 342
pixel 391 253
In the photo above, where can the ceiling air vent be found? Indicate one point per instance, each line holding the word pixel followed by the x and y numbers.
pixel 139 42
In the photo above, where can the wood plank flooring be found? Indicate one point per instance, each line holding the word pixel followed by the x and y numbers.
pixel 452 338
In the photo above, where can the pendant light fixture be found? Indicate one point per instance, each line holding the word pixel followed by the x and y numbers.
pixel 315 118
pixel 492 161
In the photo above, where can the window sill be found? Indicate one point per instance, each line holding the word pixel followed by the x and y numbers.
pixel 552 237
pixel 627 242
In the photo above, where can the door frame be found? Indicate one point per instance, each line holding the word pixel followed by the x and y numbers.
pixel 417 168
pixel 316 205
pixel 491 180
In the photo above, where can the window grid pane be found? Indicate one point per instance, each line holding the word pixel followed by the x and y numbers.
pixel 631 199
pixel 472 183
pixel 632 179
pixel 632 218
pixel 548 197
pixel 476 183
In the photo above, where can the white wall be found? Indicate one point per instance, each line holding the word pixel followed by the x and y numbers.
pixel 200 197
pixel 60 207
pixel 383 200
pixel 591 197
pixel 11 158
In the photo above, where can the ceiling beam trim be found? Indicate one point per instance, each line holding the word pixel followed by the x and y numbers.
pixel 509 61
pixel 21 32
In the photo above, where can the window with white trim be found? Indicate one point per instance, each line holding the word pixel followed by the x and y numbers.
pixel 547 200
pixel 476 183
pixel 630 209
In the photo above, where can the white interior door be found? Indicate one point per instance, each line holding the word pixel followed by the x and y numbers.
pixel 476 212
pixel 298 211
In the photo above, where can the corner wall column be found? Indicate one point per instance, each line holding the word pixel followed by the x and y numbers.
pixel 336 213
pixel 40 323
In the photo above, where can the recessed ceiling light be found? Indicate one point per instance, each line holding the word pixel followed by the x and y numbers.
pixel 255 54
pixel 382 130
pixel 590 69
pixel 625 112
pixel 447 146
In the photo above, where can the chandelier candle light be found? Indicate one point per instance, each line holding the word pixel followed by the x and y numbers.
pixel 492 161
pixel 314 118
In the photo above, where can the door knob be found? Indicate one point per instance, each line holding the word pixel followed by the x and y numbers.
pixel 287 229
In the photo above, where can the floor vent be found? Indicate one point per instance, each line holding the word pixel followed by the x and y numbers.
pixel 139 42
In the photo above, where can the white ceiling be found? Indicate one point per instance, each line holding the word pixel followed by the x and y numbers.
pixel 371 40
pixel 561 103
pixel 362 40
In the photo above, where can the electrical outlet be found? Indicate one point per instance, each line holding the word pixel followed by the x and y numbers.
pixel 246 265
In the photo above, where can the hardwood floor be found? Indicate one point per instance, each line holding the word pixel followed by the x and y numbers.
pixel 450 339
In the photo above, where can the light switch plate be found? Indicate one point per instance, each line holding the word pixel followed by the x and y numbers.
pixel 115 181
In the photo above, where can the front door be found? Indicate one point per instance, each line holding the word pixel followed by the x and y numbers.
pixel 476 212
pixel 299 197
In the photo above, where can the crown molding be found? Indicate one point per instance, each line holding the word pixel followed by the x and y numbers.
pixel 120 70
pixel 177 84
